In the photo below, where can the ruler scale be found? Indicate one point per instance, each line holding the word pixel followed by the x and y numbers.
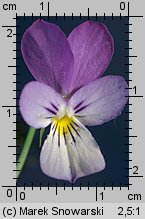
pixel 116 195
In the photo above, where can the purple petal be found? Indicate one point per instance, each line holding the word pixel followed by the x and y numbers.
pixel 100 101
pixel 73 157
pixel 39 103
pixel 92 47
pixel 47 54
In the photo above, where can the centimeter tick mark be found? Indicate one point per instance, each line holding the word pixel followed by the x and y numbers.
pixel 135 176
pixel 13 146
pixel 88 185
pixel 96 16
pixel 112 186
pixel 133 96
pixel 88 14
pixel 16 192
pixel 12 26
pixel 112 16
pixel 96 192
pixel 10 106
pixel 104 16
pixel 48 11
pixel 56 189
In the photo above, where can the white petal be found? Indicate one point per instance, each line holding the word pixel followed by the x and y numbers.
pixel 75 155
pixel 100 101
pixel 54 159
pixel 39 103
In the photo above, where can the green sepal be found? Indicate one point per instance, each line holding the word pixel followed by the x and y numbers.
pixel 42 130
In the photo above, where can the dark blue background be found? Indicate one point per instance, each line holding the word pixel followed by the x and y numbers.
pixel 110 136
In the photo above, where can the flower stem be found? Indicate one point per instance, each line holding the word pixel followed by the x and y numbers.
pixel 25 151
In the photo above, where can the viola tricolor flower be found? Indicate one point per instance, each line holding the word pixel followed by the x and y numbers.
pixel 69 93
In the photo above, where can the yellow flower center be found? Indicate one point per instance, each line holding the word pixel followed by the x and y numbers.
pixel 64 124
